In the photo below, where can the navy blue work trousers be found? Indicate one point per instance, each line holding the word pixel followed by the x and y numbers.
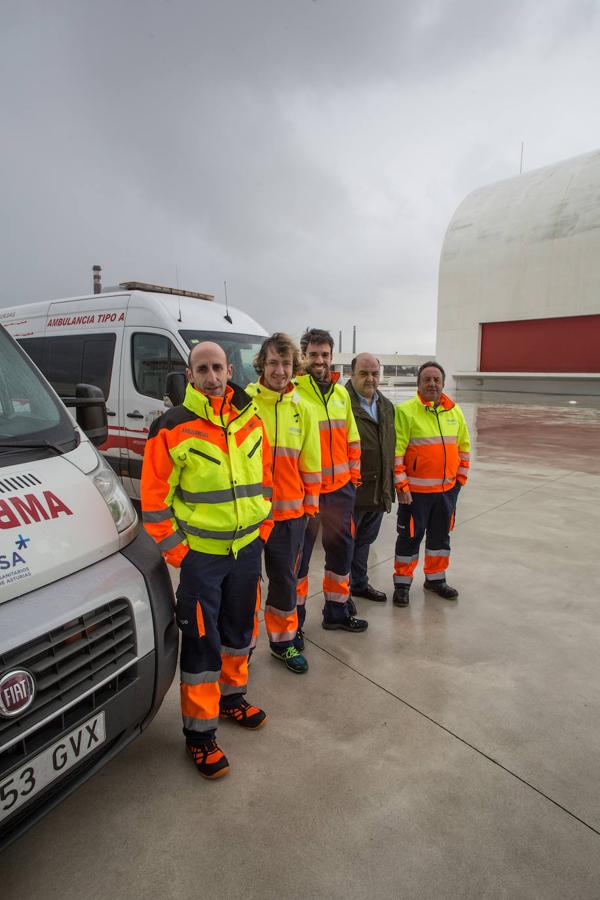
pixel 216 599
pixel 367 523
pixel 282 559
pixel 431 515
pixel 335 518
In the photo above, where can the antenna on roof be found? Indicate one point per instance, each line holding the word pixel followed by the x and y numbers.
pixel 227 317
pixel 178 294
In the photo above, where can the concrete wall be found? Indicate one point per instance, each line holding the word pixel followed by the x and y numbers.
pixel 525 248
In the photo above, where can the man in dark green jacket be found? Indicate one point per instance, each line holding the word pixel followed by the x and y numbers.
pixel 374 416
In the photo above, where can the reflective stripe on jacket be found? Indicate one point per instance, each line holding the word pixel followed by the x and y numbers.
pixel 206 476
pixel 293 434
pixel 432 446
pixel 340 440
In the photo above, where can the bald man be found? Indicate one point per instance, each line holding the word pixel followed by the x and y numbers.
pixel 206 501
pixel 374 415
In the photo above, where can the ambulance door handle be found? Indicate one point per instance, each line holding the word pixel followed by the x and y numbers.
pixel 135 415
pixel 109 412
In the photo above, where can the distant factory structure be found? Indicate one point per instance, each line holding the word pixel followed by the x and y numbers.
pixel 519 283
pixel 396 368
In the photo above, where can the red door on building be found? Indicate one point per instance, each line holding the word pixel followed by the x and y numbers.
pixel 562 344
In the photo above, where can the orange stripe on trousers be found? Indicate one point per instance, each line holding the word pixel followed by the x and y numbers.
pixel 435 564
pixel 200 701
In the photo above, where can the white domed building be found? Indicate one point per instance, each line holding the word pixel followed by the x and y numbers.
pixel 519 283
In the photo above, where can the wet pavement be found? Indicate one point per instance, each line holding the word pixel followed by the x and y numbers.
pixel 451 751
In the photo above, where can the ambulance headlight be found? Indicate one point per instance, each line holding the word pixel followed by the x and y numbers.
pixel 119 504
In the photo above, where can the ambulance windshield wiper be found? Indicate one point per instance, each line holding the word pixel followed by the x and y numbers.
pixel 37 445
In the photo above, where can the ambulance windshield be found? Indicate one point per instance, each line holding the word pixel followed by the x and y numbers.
pixel 240 349
pixel 30 416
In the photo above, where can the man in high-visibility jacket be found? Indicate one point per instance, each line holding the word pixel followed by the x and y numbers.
pixel 206 500
pixel 431 465
pixel 293 434
pixel 340 471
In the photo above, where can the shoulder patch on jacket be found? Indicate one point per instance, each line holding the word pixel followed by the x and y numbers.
pixel 173 417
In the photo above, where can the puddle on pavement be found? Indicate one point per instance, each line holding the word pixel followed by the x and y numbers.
pixel 553 430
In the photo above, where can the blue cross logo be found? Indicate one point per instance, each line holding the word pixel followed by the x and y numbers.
pixel 22 542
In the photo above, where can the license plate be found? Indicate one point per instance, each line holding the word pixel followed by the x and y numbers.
pixel 27 781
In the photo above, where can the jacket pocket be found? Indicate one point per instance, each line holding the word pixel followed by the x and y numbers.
pixel 404 519
pixel 255 448
pixel 368 477
pixel 189 615
pixel 205 456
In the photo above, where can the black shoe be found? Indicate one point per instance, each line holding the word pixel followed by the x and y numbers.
pixel 401 595
pixel 441 589
pixel 351 607
pixel 369 593
pixel 210 760
pixel 349 624
pixel 299 640
pixel 245 715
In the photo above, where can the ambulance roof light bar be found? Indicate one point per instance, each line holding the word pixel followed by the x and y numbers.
pixel 161 289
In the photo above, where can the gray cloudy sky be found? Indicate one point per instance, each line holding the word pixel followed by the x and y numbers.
pixel 311 152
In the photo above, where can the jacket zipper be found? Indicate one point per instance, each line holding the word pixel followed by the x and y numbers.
pixel 277 402
pixel 437 418
pixel 320 394
pixel 255 448
pixel 205 456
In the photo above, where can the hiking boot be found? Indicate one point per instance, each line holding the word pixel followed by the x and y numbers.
pixel 292 658
pixel 369 593
pixel 299 640
pixel 401 595
pixel 349 624
pixel 441 589
pixel 209 759
pixel 245 715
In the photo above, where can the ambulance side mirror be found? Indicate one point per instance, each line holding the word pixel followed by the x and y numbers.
pixel 175 388
pixel 91 413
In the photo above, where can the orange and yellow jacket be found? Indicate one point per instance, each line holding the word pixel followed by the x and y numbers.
pixel 293 434
pixel 206 476
pixel 432 446
pixel 340 440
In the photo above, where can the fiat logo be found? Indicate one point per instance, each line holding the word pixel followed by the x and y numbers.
pixel 17 692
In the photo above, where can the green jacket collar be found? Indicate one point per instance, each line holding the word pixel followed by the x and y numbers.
pixel 355 397
pixel 257 389
pixel 199 403
pixel 308 384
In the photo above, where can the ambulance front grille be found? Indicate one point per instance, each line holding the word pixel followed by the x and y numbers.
pixel 70 661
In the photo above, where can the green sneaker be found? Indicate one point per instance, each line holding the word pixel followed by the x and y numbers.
pixel 292 658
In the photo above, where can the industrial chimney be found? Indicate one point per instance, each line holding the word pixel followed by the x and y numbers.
pixel 97 279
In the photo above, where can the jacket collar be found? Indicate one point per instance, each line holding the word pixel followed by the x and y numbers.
pixel 260 389
pixel 445 402
pixel 307 382
pixel 215 409
pixel 355 396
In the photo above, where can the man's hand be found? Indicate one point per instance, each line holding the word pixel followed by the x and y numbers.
pixel 405 497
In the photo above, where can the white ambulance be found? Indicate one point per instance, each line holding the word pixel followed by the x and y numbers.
pixel 88 642
pixel 126 340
